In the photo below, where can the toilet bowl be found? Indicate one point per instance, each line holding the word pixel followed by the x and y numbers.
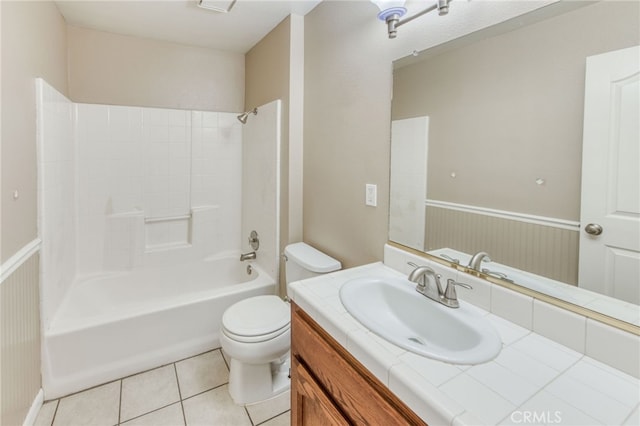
pixel 256 334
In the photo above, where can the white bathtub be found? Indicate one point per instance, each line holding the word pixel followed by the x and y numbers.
pixel 115 325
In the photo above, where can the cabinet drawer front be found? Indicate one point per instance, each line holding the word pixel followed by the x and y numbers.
pixel 358 394
pixel 311 405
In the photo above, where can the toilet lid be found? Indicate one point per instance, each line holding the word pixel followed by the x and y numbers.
pixel 258 316
pixel 256 339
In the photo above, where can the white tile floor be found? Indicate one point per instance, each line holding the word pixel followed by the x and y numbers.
pixel 192 391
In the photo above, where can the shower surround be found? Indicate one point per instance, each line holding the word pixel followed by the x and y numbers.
pixel 130 191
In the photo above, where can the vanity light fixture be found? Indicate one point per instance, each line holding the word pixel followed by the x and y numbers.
pixel 392 10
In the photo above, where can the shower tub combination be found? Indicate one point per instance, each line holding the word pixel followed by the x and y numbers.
pixel 161 278
pixel 114 325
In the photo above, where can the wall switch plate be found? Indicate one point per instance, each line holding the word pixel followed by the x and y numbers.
pixel 371 194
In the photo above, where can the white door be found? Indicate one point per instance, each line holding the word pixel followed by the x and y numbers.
pixel 610 210
pixel 408 183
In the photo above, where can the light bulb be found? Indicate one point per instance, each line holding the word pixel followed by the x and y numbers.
pixel 389 7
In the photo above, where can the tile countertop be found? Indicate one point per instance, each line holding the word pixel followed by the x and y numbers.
pixel 533 379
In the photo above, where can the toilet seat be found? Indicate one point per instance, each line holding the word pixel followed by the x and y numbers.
pixel 258 338
pixel 256 319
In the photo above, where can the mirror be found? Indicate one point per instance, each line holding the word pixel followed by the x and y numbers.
pixel 496 120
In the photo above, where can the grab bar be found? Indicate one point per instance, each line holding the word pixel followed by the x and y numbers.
pixel 166 218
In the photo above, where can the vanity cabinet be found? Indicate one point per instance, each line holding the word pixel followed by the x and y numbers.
pixel 330 387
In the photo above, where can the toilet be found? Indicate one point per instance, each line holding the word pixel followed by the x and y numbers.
pixel 256 332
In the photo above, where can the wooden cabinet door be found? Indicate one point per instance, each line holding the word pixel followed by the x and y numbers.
pixel 310 406
pixel 351 393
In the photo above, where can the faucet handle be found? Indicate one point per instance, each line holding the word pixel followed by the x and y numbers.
pixel 450 291
pixel 450 259
pixel 438 284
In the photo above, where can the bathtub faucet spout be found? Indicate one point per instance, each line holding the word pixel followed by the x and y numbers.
pixel 248 256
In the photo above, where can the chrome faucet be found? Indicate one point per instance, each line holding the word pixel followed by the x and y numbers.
pixel 480 256
pixel 248 256
pixel 420 275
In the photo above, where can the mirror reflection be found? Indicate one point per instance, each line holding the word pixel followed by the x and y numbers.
pixel 524 143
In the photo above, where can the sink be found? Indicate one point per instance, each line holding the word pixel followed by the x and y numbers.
pixel 394 310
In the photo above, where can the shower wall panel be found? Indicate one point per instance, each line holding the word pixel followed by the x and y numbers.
pixel 261 184
pixel 149 168
pixel 216 173
pixel 56 195
pixel 120 187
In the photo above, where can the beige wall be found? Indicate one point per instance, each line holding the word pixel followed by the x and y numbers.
pixel 114 69
pixel 507 110
pixel 272 72
pixel 346 130
pixel 33 38
pixel 267 79
pixel 33 45
pixel 267 68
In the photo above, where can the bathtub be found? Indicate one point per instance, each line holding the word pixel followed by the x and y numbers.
pixel 111 326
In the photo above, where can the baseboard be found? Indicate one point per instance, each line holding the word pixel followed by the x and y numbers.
pixel 30 420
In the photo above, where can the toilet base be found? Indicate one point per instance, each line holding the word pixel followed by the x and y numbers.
pixel 251 383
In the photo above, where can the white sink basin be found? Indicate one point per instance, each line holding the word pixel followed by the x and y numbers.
pixel 395 311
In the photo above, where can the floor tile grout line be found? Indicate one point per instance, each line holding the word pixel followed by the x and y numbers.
pixel 175 370
pixel 120 403
pixel 53 419
pixel 196 355
pixel 271 418
pixel 163 365
pixel 224 359
pixel 90 388
pixel 248 415
pixel 149 412
pixel 205 391
pixel 184 416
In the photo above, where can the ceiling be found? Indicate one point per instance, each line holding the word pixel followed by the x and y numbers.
pixel 183 22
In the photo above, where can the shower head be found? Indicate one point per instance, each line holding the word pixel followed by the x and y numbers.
pixel 243 117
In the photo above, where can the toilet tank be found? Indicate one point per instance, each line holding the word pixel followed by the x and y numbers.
pixel 304 261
